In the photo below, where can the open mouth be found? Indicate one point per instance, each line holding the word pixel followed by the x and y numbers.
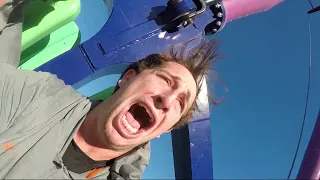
pixel 137 119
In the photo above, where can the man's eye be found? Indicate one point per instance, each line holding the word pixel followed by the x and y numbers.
pixel 166 80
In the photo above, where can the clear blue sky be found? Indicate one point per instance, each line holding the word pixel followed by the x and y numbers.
pixel 255 130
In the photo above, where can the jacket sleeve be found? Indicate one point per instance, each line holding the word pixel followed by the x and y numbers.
pixel 10 32
pixel 131 166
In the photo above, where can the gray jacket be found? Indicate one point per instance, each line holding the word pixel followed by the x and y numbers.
pixel 39 115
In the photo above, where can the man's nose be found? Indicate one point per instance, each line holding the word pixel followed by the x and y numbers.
pixel 165 101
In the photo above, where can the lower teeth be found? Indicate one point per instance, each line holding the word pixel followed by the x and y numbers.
pixel 128 126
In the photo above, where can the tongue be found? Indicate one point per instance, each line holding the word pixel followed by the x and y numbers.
pixel 133 122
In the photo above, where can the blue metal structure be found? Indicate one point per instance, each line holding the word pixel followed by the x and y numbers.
pixel 132 33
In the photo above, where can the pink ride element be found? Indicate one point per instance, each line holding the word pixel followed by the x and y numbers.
pixel 236 9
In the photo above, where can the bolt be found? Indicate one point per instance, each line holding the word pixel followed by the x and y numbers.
pixel 184 23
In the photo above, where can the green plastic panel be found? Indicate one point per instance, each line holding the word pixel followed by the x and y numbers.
pixel 102 95
pixel 50 46
pixel 42 17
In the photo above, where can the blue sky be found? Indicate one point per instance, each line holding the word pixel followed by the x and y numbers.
pixel 256 128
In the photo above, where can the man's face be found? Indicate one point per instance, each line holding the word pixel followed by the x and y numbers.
pixel 147 105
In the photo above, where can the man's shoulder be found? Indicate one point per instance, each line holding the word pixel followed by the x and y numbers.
pixel 132 164
pixel 26 92
pixel 22 81
pixel 8 72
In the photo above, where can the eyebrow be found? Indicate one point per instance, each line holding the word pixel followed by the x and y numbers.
pixel 178 78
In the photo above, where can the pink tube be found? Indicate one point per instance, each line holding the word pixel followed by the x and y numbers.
pixel 236 9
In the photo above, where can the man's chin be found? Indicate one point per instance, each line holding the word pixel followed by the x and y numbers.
pixel 118 143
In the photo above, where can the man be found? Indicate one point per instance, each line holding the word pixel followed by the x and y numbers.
pixel 48 130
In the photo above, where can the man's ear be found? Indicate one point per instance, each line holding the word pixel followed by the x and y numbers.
pixel 126 77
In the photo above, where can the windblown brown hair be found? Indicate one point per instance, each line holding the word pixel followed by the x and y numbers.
pixel 198 60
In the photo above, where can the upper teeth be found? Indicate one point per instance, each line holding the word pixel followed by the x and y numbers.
pixel 148 111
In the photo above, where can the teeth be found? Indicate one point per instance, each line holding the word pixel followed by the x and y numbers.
pixel 150 114
pixel 129 128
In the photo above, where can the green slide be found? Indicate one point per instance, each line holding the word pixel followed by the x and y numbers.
pixel 48 31
pixel 102 95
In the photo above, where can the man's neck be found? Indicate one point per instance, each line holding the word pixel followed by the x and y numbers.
pixel 89 141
